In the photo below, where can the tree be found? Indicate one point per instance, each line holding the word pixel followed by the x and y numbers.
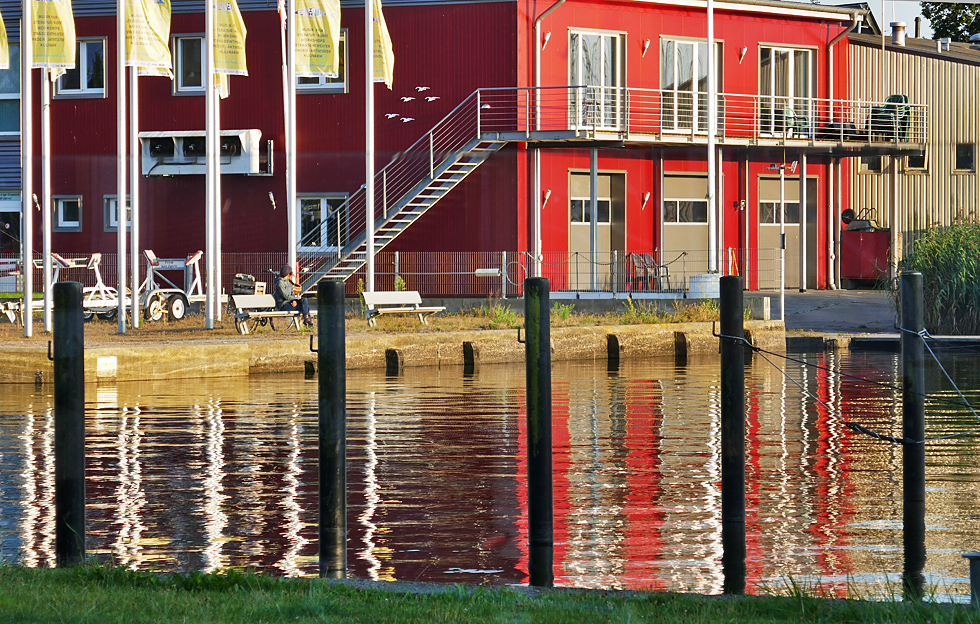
pixel 956 21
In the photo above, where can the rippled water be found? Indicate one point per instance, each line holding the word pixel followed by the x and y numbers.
pixel 204 475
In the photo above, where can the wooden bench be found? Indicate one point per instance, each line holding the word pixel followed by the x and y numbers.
pixel 253 310
pixel 397 302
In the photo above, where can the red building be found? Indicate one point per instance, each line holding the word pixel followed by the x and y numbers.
pixel 465 99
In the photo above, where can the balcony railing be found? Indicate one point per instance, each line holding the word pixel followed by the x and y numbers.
pixel 681 116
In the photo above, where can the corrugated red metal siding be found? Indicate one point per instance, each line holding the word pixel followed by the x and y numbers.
pixel 435 46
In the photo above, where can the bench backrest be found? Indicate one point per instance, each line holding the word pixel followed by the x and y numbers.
pixel 399 297
pixel 253 301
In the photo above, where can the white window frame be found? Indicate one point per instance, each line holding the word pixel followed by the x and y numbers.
pixel 802 104
pixel 322 84
pixel 329 202
pixel 82 52
pixel 608 94
pixel 677 210
pixel 61 224
pixel 671 119
pixel 178 51
pixel 110 207
pixel 15 70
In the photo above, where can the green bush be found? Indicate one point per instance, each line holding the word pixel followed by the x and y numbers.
pixel 949 260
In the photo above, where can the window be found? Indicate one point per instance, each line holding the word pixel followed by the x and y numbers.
pixel 323 223
pixel 10 95
pixel 581 210
pixel 87 79
pixel 595 66
pixel 871 164
pixel 110 210
pixel 785 88
pixel 68 214
pixel 685 211
pixel 324 84
pixel 769 212
pixel 915 163
pixel 189 52
pixel 684 79
pixel 964 156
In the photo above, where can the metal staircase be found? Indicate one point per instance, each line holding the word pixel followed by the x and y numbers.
pixel 414 181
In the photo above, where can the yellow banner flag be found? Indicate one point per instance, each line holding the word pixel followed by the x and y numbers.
pixel 229 39
pixel 4 48
pixel 54 34
pixel 223 83
pixel 317 24
pixel 148 35
pixel 384 57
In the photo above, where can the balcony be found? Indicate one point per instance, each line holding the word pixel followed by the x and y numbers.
pixel 654 116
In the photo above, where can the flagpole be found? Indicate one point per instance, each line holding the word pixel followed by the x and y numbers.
pixel 211 159
pixel 712 131
pixel 46 192
pixel 369 144
pixel 134 180
pixel 27 164
pixel 217 202
pixel 292 210
pixel 121 163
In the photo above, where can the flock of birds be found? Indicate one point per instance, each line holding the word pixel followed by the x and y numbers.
pixel 409 98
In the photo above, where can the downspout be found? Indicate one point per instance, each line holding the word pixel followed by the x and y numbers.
pixel 833 221
pixel 536 155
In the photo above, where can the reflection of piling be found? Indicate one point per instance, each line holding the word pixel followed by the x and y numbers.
pixel 69 424
pixel 732 436
pixel 540 511
pixel 913 429
pixel 331 364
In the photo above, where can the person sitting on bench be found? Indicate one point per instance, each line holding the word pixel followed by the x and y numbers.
pixel 286 296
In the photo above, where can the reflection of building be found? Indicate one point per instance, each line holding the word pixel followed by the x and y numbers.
pixel 624 95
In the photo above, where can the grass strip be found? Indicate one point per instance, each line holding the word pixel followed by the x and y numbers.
pixel 107 594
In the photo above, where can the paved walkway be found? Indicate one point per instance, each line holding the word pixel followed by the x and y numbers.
pixel 838 311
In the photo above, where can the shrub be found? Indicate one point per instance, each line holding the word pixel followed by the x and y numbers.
pixel 949 260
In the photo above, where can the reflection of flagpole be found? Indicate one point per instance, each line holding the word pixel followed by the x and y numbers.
pixel 121 162
pixel 27 164
pixel 292 211
pixel 46 192
pixel 134 181
pixel 369 144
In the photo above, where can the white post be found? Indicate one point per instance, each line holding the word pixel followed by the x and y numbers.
pixel 292 209
pixel 134 185
pixel 712 130
pixel 211 159
pixel 594 220
pixel 369 144
pixel 803 219
pixel 46 193
pixel 27 165
pixel 121 163
pixel 216 265
pixel 536 216
pixel 782 242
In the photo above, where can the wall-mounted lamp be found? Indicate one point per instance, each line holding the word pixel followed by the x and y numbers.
pixel 547 196
pixel 646 46
pixel 547 38
pixel 272 199
pixel 741 54
pixel 36 204
pixel 646 198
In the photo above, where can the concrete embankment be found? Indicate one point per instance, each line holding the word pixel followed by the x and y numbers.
pixel 237 356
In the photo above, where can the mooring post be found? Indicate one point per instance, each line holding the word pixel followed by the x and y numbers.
pixel 332 369
pixel 974 559
pixel 69 424
pixel 914 433
pixel 732 436
pixel 540 508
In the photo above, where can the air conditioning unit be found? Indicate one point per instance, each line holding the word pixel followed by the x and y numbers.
pixel 185 152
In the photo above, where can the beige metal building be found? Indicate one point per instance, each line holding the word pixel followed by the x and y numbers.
pixel 941 185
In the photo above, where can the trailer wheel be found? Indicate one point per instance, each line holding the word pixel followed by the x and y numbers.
pixel 153 310
pixel 108 315
pixel 176 307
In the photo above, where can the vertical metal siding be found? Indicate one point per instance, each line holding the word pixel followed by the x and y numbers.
pixel 949 87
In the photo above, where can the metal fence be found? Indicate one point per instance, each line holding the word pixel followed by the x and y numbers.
pixel 474 274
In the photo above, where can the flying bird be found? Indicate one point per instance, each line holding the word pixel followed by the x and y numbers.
pixel 391 115
pixel 421 89
pixel 407 99
pixel 432 98
pixel 407 119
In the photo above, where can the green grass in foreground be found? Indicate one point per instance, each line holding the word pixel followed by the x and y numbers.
pixel 110 594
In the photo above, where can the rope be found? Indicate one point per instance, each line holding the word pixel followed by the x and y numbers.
pixel 925 334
